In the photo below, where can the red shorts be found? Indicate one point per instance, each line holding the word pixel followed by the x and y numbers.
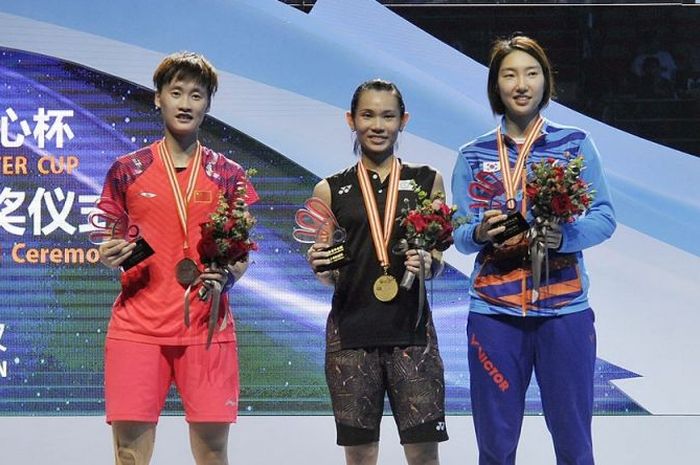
pixel 138 377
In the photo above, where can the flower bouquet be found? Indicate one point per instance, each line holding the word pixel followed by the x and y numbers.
pixel 226 239
pixel 558 195
pixel 429 226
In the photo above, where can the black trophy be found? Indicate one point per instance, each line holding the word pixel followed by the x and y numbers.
pixel 514 223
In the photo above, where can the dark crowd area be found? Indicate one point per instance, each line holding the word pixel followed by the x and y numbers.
pixel 633 66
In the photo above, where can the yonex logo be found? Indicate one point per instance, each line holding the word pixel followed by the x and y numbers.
pixel 344 189
pixel 231 403
pixel 440 426
pixel 148 195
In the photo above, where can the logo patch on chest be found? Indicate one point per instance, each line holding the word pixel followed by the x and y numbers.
pixel 406 184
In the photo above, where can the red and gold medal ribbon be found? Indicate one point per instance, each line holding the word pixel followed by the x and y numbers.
pixel 380 235
pixel 523 293
pixel 511 179
pixel 181 201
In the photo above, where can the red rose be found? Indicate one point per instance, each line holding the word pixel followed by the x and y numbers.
pixel 561 204
pixel 430 218
pixel 230 224
pixel 446 232
pixel 207 248
pixel 531 191
pixel 444 210
pixel 416 219
pixel 585 200
pixel 234 250
pixel 559 173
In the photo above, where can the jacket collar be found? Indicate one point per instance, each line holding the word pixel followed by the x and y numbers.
pixel 543 132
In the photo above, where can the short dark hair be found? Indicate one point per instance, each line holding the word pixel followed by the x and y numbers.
pixel 186 65
pixel 377 84
pixel 502 48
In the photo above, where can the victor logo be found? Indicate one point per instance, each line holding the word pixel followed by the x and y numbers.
pixel 489 366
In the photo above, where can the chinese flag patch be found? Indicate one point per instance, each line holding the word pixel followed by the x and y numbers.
pixel 202 196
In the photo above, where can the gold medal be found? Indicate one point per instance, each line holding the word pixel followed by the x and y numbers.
pixel 385 288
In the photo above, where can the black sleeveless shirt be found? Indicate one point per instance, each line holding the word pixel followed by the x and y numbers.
pixel 357 318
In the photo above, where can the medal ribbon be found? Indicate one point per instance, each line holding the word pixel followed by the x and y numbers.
pixel 181 202
pixel 511 179
pixel 380 236
pixel 523 279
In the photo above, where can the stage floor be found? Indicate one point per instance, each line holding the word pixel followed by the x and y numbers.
pixel 639 440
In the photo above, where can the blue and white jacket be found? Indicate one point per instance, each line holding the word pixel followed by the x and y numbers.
pixel 501 275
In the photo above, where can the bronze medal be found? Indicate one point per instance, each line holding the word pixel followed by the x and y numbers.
pixel 513 176
pixel 186 272
pixel 385 288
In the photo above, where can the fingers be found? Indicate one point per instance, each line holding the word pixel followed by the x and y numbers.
pixel 213 273
pixel 553 234
pixel 114 252
pixel 491 218
pixel 488 214
pixel 554 227
pixel 487 229
pixel 553 239
pixel 112 247
pixel 317 256
pixel 413 259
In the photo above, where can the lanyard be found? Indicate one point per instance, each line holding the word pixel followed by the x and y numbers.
pixel 181 201
pixel 380 235
pixel 511 179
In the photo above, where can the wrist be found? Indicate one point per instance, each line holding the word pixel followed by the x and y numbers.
pixel 476 236
pixel 329 277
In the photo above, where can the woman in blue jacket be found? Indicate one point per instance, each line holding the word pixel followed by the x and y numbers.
pixel 512 328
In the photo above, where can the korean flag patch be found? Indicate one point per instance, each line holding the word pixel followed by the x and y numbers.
pixel 491 166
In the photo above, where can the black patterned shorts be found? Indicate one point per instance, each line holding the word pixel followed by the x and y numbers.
pixel 412 377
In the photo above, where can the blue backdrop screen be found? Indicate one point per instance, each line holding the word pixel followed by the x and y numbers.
pixel 61 127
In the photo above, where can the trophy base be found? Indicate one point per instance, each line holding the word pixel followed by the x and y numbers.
pixel 515 224
pixel 339 257
pixel 141 252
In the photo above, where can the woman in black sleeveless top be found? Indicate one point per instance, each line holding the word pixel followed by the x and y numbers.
pixel 376 343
